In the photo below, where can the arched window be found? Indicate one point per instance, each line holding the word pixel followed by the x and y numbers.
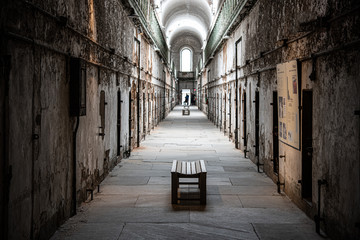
pixel 186 60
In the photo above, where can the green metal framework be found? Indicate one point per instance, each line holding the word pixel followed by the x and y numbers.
pixel 225 18
pixel 151 24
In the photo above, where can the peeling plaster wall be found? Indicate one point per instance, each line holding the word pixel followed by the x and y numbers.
pixel 329 30
pixel 40 38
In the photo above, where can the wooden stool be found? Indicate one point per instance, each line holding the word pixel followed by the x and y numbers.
pixel 181 169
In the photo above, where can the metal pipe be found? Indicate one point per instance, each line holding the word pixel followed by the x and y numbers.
pixel 278 183
pixel 74 167
pixel 6 168
pixel 138 99
pixel 318 217
pixel 245 151
pixel 259 164
pixel 130 122
pixel 91 192
pixel 164 100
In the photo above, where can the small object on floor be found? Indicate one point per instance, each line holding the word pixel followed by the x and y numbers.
pixel 182 169
pixel 186 110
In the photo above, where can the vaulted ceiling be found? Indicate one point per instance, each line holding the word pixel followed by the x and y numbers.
pixel 186 23
pixel 184 19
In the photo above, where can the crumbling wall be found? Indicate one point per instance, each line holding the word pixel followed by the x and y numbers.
pixel 323 36
pixel 53 159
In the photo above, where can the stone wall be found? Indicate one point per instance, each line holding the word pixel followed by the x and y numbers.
pixel 324 37
pixel 51 163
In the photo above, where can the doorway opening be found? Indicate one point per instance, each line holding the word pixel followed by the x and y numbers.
pixel 244 120
pixel 275 133
pixel 118 124
pixel 225 113
pixel 307 148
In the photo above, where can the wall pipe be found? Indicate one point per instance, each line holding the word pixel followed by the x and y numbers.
pixel 278 183
pixel 164 99
pixel 357 112
pixel 138 95
pixel 236 96
pixel 74 166
pixel 6 168
pixel 318 217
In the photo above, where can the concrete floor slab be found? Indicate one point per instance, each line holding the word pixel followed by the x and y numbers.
pixel 243 190
pixel 270 231
pixel 153 201
pixel 137 190
pixel 92 231
pixel 276 201
pixel 238 168
pixel 251 181
pixel 115 200
pixel 160 180
pixel 137 214
pixel 248 215
pixel 135 198
pixel 126 180
pixel 218 181
pixel 176 231
pixel 223 201
pixel 142 172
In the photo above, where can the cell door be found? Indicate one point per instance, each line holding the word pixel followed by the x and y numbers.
pixel 118 124
pixel 149 113
pixel 216 109
pixel 230 135
pixel 238 119
pixel 275 134
pixel 220 112
pixel 244 119
pixel 155 109
pixel 130 121
pixel 225 113
pixel 307 149
pixel 144 115
pixel 257 123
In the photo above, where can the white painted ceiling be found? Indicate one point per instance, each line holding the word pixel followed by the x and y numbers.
pixel 186 18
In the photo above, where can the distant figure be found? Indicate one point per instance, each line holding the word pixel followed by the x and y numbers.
pixel 186 100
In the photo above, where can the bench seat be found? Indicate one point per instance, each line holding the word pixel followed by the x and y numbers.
pixel 186 111
pixel 183 169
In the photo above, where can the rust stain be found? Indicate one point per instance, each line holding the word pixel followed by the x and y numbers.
pixel 92 22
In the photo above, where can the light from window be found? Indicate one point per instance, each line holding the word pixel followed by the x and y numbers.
pixel 186 60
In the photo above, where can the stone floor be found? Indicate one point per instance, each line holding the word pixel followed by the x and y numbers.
pixel 135 201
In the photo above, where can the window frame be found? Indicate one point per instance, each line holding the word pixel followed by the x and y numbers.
pixel 191 59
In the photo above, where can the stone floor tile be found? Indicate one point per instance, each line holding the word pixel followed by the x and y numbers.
pixel 185 231
pixel 252 181
pixel 266 202
pixel 135 198
pixel 91 231
pixel 270 231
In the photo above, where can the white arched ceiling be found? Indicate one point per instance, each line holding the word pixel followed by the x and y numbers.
pixel 185 27
pixel 184 18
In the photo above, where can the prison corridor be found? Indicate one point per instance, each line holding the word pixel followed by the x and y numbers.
pixel 134 201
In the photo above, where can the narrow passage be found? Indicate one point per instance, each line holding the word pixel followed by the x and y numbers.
pixel 135 199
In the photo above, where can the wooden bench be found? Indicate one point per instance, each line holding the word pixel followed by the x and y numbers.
pixel 186 110
pixel 181 169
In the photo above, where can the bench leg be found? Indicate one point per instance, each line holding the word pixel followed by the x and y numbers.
pixel 174 188
pixel 202 183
